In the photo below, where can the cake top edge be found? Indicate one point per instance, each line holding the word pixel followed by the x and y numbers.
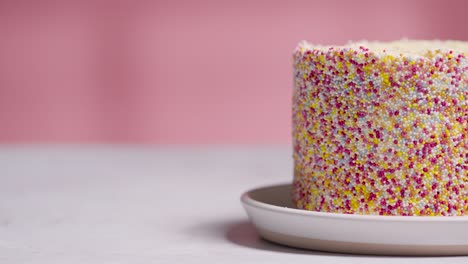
pixel 403 47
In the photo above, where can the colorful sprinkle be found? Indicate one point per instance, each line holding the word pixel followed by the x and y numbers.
pixel 381 134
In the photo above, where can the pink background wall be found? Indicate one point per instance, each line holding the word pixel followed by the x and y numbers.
pixel 178 71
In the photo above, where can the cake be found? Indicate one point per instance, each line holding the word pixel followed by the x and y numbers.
pixel 381 128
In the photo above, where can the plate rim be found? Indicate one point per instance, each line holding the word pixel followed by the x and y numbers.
pixel 247 199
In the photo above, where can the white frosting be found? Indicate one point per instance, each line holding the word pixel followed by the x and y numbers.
pixel 400 47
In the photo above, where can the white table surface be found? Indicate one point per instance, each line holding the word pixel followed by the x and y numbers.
pixel 104 204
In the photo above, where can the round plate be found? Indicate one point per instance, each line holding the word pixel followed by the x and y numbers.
pixel 271 211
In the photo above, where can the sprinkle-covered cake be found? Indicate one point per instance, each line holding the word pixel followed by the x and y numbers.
pixel 381 128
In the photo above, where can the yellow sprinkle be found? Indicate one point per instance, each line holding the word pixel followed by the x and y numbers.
pixel 339 65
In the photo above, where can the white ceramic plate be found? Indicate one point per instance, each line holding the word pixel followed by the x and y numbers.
pixel 271 211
